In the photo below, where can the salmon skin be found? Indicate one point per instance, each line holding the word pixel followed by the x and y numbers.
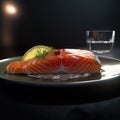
pixel 60 60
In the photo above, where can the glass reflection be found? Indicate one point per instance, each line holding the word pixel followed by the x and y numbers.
pixel 111 70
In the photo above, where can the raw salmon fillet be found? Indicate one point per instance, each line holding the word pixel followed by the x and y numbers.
pixel 61 60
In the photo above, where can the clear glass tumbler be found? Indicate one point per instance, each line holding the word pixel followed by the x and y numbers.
pixel 100 41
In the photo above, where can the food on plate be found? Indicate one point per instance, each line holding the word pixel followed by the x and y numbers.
pixel 44 59
pixel 34 52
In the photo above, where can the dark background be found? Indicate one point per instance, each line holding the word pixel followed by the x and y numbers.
pixel 59 23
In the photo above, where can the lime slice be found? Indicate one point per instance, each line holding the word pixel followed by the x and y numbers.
pixel 31 53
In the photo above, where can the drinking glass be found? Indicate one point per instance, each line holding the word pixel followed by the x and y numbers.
pixel 100 41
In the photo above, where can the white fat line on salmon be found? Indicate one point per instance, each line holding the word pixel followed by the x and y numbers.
pixel 61 64
pixel 97 59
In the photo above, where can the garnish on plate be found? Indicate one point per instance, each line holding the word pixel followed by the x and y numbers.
pixel 39 51
pixel 42 53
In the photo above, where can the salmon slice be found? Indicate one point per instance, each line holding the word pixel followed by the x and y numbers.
pixel 80 61
pixel 16 67
pixel 61 60
pixel 50 64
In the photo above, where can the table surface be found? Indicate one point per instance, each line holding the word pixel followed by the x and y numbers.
pixel 18 106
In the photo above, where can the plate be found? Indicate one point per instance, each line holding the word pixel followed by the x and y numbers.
pixel 110 71
pixel 76 90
